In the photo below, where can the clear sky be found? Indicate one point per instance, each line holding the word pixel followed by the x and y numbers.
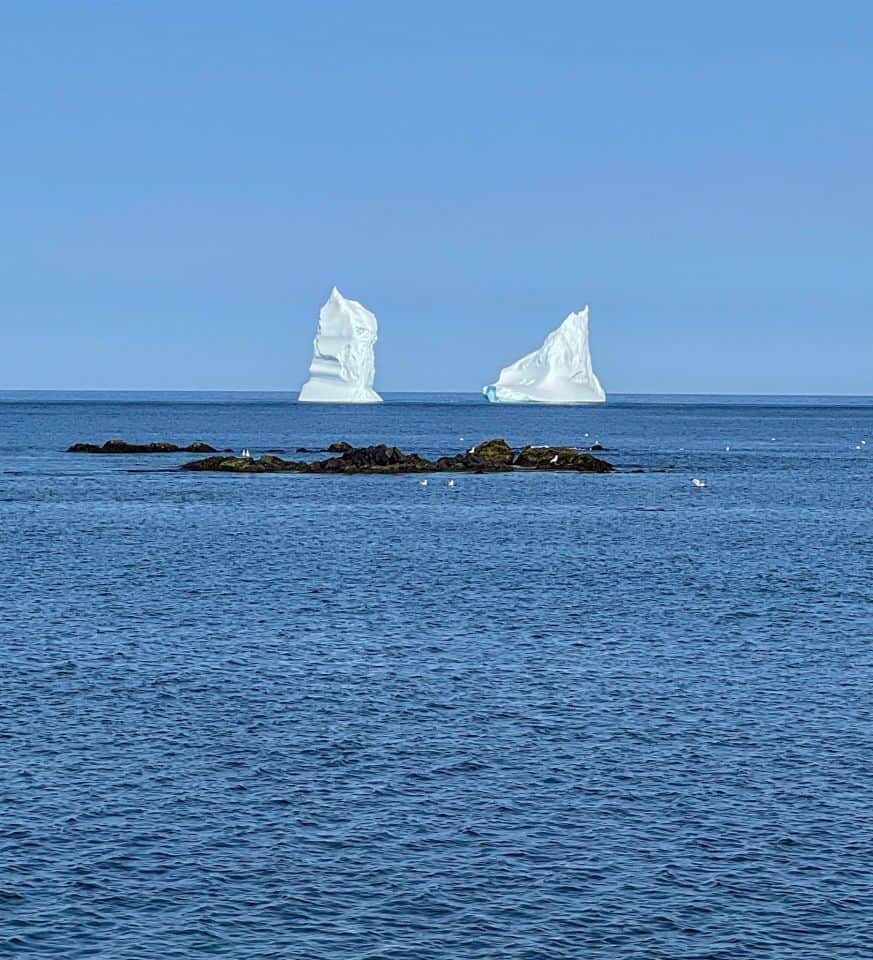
pixel 183 182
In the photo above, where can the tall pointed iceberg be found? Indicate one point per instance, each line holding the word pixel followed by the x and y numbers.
pixel 343 360
pixel 559 372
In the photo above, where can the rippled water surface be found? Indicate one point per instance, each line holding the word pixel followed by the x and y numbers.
pixel 538 716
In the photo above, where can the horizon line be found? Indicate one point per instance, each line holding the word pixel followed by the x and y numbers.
pixel 476 393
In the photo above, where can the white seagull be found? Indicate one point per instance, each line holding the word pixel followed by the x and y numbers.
pixel 422 483
pixel 700 484
pixel 554 459
pixel 727 448
pixel 451 483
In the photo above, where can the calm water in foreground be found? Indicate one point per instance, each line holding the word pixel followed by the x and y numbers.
pixel 538 716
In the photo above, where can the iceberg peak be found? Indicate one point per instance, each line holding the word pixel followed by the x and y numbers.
pixel 560 371
pixel 343 357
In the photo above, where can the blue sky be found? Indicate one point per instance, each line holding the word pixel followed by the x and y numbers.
pixel 182 184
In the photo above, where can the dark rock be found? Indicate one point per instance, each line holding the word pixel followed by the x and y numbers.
pixel 492 454
pixel 377 459
pixel 210 463
pixel 340 446
pixel 84 448
pixel 276 450
pixel 455 464
pixel 233 464
pixel 560 458
pixel 597 448
pixel 122 446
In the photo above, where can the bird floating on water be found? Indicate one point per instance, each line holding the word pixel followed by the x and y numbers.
pixel 700 484
pixel 727 448
pixel 422 483
pixel 451 483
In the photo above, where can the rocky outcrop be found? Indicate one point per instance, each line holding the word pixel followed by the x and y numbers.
pixel 339 446
pixel 493 456
pixel 122 446
pixel 491 453
pixel 560 458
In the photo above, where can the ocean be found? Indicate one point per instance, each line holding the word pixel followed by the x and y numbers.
pixel 531 717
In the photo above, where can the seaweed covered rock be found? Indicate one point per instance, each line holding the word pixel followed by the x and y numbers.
pixel 234 464
pixel 493 453
pixel 560 458
pixel 210 463
pixel 493 456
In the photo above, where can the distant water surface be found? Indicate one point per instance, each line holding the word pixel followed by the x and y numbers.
pixel 534 716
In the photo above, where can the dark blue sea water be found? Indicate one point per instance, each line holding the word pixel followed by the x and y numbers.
pixel 538 716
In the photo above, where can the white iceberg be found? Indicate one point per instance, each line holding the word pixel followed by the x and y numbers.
pixel 559 372
pixel 343 360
